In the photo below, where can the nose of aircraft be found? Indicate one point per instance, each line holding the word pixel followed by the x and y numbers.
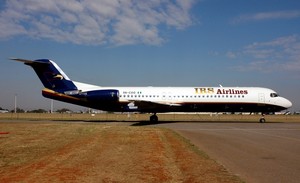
pixel 286 103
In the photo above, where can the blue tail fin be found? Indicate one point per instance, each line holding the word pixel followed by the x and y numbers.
pixel 50 74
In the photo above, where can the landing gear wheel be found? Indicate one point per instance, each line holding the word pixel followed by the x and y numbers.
pixel 262 120
pixel 153 118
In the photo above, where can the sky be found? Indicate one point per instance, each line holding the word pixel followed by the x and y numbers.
pixel 150 43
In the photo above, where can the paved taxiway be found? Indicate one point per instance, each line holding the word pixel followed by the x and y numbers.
pixel 268 152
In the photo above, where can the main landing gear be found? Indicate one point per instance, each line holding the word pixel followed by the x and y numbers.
pixel 153 118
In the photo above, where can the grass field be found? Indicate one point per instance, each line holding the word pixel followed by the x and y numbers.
pixel 51 151
pixel 84 148
pixel 145 117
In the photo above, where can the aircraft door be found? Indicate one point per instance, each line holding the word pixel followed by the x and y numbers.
pixel 261 98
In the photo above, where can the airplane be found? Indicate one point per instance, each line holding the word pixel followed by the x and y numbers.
pixel 3 111
pixel 153 100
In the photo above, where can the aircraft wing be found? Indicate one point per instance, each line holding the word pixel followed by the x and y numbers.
pixel 150 105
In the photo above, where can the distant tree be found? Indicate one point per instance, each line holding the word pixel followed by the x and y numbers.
pixel 18 110
pixel 38 111
pixel 63 110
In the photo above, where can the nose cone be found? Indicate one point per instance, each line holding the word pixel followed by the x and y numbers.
pixel 286 103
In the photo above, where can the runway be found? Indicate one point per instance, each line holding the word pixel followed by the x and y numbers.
pixel 268 152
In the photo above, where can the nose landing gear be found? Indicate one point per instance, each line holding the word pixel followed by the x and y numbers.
pixel 262 118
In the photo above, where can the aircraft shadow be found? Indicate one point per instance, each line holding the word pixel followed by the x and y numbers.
pixel 146 123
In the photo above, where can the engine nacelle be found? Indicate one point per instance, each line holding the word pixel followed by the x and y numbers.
pixel 103 95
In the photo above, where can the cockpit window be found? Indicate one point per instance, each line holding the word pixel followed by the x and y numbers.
pixel 274 95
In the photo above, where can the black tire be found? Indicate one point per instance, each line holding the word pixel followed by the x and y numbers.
pixel 153 118
pixel 262 120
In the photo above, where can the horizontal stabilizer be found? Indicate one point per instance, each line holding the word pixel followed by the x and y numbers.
pixel 30 61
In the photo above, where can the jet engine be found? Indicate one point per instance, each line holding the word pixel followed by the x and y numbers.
pixel 103 95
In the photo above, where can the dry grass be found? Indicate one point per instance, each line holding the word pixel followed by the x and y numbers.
pixel 95 152
pixel 145 117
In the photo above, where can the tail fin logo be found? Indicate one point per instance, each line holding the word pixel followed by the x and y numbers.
pixel 58 76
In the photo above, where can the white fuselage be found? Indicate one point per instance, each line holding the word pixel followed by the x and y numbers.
pixel 210 98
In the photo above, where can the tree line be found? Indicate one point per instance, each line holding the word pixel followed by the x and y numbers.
pixel 19 110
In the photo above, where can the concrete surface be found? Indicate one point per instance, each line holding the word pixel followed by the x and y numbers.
pixel 268 152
